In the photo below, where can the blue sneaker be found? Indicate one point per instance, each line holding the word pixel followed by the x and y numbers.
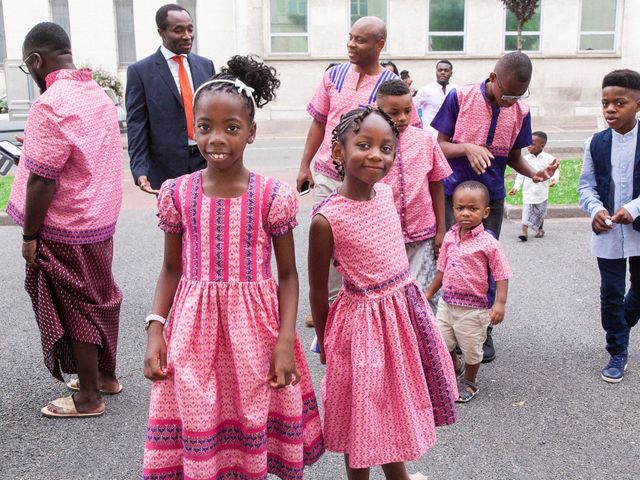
pixel 614 371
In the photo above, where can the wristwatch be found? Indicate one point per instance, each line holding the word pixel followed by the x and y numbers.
pixel 153 317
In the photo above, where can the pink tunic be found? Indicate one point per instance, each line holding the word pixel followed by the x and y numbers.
pixel 216 417
pixel 337 94
pixel 389 377
pixel 72 137
pixel 418 162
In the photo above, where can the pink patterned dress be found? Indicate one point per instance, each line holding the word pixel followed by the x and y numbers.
pixel 215 417
pixel 389 378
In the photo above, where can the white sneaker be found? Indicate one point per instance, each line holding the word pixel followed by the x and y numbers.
pixel 418 476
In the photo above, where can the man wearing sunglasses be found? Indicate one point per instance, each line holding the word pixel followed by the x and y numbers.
pixel 482 128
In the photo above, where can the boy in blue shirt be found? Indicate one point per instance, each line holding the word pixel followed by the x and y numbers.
pixel 609 190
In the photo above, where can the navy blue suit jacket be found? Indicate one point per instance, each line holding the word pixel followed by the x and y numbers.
pixel 156 123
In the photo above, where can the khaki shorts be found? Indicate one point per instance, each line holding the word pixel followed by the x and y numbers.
pixel 465 327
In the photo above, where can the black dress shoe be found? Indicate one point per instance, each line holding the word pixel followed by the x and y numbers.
pixel 488 351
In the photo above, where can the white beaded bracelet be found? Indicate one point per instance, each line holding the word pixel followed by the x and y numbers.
pixel 153 317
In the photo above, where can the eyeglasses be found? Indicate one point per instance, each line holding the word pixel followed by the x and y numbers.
pixel 512 98
pixel 23 65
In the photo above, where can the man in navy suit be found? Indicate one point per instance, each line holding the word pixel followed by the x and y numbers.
pixel 158 99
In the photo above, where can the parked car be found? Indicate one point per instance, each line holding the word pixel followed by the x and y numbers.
pixel 122 115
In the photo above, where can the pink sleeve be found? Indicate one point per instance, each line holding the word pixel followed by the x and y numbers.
pixel 320 103
pixel 46 149
pixel 441 168
pixel 170 221
pixel 498 263
pixel 282 214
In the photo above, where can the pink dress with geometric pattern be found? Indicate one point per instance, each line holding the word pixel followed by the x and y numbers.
pixel 389 378
pixel 215 416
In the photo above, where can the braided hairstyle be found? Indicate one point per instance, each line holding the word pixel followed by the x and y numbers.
pixel 351 121
pixel 253 73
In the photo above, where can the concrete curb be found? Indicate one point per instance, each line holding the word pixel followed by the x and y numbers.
pixel 6 220
pixel 512 212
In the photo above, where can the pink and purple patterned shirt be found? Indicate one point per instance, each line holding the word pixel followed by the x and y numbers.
pixel 467 116
pixel 336 95
pixel 467 263
pixel 72 137
pixel 418 162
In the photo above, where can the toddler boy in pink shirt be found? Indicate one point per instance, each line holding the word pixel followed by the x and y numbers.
pixel 468 257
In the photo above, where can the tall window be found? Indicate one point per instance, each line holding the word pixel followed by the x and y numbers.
pixel 446 25
pixel 3 40
pixel 125 31
pixel 530 32
pixel 288 23
pixel 598 25
pixel 363 8
pixel 60 14
pixel 190 5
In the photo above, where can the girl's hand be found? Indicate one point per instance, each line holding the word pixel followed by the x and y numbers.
pixel 323 358
pixel 155 359
pixel 283 370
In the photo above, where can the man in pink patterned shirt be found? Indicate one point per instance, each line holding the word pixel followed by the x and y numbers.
pixel 66 195
pixel 468 257
pixel 416 178
pixel 344 87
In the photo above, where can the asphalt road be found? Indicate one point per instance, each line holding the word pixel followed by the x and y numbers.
pixel 543 412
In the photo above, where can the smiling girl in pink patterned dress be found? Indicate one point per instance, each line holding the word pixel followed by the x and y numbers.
pixel 389 378
pixel 232 395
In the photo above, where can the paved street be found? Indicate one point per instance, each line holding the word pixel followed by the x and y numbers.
pixel 543 412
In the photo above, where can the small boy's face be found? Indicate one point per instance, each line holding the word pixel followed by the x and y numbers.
pixel 619 107
pixel 398 107
pixel 537 144
pixel 469 208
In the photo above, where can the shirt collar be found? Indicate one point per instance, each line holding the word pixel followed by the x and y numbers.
pixel 473 233
pixel 82 75
pixel 630 133
pixel 168 54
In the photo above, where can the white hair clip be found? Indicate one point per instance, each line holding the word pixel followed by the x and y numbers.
pixel 242 87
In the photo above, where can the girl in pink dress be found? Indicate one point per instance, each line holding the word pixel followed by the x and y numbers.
pixel 389 379
pixel 231 395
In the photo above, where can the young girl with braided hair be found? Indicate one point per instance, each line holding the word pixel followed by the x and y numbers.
pixel 389 378
pixel 231 395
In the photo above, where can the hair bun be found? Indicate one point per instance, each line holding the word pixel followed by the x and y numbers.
pixel 262 78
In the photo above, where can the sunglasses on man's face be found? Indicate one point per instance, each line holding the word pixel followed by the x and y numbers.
pixel 512 98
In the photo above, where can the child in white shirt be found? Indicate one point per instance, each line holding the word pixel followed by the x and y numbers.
pixel 535 195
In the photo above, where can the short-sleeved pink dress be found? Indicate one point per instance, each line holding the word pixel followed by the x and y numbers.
pixel 215 416
pixel 389 377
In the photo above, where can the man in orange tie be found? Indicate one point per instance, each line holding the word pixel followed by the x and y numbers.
pixel 158 100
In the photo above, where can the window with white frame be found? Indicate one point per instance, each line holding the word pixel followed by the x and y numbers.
pixel 60 14
pixel 446 25
pixel 125 32
pixel 598 25
pixel 363 8
pixel 530 32
pixel 288 26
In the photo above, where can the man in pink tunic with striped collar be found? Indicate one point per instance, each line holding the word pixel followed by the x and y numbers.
pixel 66 195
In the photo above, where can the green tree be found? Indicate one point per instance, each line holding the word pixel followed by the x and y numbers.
pixel 523 11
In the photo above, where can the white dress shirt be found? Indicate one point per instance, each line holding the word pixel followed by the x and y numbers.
pixel 622 241
pixel 174 67
pixel 429 99
pixel 534 193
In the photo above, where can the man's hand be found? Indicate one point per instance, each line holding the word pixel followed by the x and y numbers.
pixel 304 175
pixel 622 216
pixel 145 185
pixel 546 173
pixel 599 222
pixel 513 191
pixel 552 182
pixel 437 243
pixel 479 157
pixel 29 250
pixel 497 313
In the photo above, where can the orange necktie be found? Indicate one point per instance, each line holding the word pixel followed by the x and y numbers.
pixel 186 92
